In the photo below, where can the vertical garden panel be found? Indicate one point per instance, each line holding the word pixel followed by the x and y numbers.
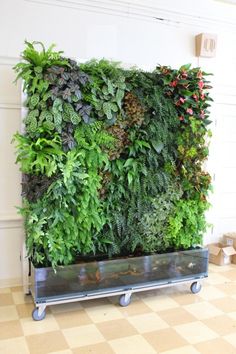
pixel 111 158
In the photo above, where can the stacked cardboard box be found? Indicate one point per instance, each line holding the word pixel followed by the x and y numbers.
pixel 229 239
pixel 221 254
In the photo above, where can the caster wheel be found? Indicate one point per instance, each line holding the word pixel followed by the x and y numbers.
pixel 195 287
pixel 124 300
pixel 36 316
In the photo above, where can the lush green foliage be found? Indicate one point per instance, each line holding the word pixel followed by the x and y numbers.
pixel 40 156
pixel 112 158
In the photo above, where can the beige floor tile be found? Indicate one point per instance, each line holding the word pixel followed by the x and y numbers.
pixel 216 278
pixel 215 346
pixel 31 327
pixel 98 302
pixel 147 322
pixel 176 316
pixel 72 318
pixel 159 303
pixel 210 293
pixel 16 288
pixel 203 310
pixel 20 298
pixel 104 313
pixel 6 299
pixel 150 293
pixel 232 315
pixel 101 326
pixel 231 338
pixel 230 274
pixel 24 310
pixel 195 332
pixel 8 313
pixel 137 307
pixel 10 329
pixel 67 351
pixel 188 349
pixel 73 306
pixel 227 304
pixel 5 290
pixel 132 345
pixel 221 324
pixel 14 346
pixel 165 339
pixel 100 348
pixel 81 336
pixel 228 288
pixel 219 269
pixel 186 298
pixel 46 343
pixel 177 288
pixel 116 329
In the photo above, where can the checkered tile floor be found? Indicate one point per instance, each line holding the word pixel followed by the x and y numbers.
pixel 167 321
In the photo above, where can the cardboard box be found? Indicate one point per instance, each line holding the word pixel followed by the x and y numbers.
pixel 229 239
pixel 220 254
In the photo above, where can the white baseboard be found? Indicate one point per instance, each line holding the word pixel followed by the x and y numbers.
pixel 7 283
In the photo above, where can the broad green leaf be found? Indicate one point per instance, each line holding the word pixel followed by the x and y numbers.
pixel 158 146
pixel 130 177
pixel 185 67
pixel 186 93
pixel 34 100
pixel 129 162
pixel 107 109
pixel 114 107
pixel 110 87
pixel 119 96
pixel 105 90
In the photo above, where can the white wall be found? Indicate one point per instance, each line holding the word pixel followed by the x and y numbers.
pixel 126 31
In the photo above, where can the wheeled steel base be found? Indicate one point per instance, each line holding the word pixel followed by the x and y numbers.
pixel 116 277
pixel 39 312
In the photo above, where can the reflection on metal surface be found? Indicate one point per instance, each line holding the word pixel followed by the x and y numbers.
pixel 117 275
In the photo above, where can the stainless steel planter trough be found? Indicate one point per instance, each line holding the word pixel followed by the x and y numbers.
pixel 122 277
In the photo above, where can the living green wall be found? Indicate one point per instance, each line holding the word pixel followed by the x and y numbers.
pixel 111 158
